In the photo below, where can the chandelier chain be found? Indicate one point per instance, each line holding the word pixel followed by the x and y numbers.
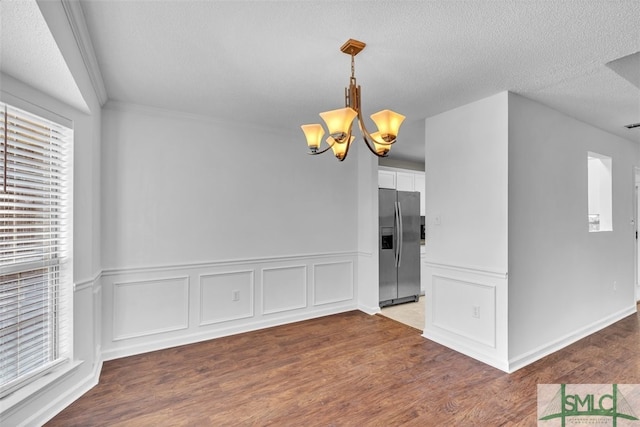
pixel 353 67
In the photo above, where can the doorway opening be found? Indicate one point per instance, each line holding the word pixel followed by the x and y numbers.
pixel 636 217
pixel 409 313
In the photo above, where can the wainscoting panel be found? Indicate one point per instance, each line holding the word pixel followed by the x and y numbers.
pixel 150 307
pixel 284 289
pixel 332 282
pixel 466 309
pixel 226 296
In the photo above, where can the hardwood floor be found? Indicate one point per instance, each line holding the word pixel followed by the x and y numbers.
pixel 349 369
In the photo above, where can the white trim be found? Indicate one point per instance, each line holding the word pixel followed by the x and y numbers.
pixel 78 25
pixel 30 107
pixel 204 335
pixel 22 397
pixel 463 348
pixel 369 310
pixel 261 267
pixel 525 359
pixel 364 254
pixel 468 269
pixel 222 263
pixel 87 283
pixel 65 399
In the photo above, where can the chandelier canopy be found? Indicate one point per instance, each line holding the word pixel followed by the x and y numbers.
pixel 340 121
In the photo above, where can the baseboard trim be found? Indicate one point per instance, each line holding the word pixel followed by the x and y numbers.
pixel 369 310
pixel 502 365
pixel 193 338
pixel 534 355
pixel 528 358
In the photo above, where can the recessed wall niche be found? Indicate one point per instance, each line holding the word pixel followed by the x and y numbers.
pixel 599 183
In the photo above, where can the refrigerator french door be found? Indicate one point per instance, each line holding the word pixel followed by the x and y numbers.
pixel 399 246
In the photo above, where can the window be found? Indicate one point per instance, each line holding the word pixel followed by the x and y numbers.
pixel 35 277
pixel 599 192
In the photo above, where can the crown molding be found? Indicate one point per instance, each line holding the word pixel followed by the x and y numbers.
pixel 75 15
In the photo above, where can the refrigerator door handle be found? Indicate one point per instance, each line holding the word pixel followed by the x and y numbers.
pixel 400 234
pixel 396 226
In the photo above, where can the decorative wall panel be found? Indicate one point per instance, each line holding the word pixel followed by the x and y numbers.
pixel 226 296
pixel 332 282
pixel 150 307
pixel 284 288
pixel 465 308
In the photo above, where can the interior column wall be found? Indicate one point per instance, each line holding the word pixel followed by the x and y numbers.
pixel 466 236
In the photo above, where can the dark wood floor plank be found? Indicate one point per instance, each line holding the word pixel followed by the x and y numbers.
pixel 349 369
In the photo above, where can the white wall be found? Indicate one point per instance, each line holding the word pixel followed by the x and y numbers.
pixel 195 209
pixel 181 189
pixel 466 185
pixel 466 236
pixel 564 282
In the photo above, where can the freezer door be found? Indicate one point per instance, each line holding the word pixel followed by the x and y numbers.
pixel 387 245
pixel 409 259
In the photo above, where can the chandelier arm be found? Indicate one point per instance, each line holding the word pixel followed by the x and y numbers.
pixel 322 151
pixel 365 133
pixel 367 143
pixel 348 142
pixel 352 98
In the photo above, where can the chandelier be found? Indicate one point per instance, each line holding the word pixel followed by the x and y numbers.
pixel 340 121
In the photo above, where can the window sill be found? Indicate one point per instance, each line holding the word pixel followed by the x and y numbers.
pixel 20 397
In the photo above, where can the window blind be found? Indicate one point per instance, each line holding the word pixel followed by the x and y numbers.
pixel 35 281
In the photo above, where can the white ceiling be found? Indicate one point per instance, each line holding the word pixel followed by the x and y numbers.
pixel 278 63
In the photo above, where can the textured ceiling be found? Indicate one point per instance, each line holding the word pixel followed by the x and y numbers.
pixel 29 53
pixel 628 67
pixel 278 63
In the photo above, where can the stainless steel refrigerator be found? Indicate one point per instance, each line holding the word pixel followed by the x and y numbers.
pixel 399 246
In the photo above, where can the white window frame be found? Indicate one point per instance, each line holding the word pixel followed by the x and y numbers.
pixel 53 254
